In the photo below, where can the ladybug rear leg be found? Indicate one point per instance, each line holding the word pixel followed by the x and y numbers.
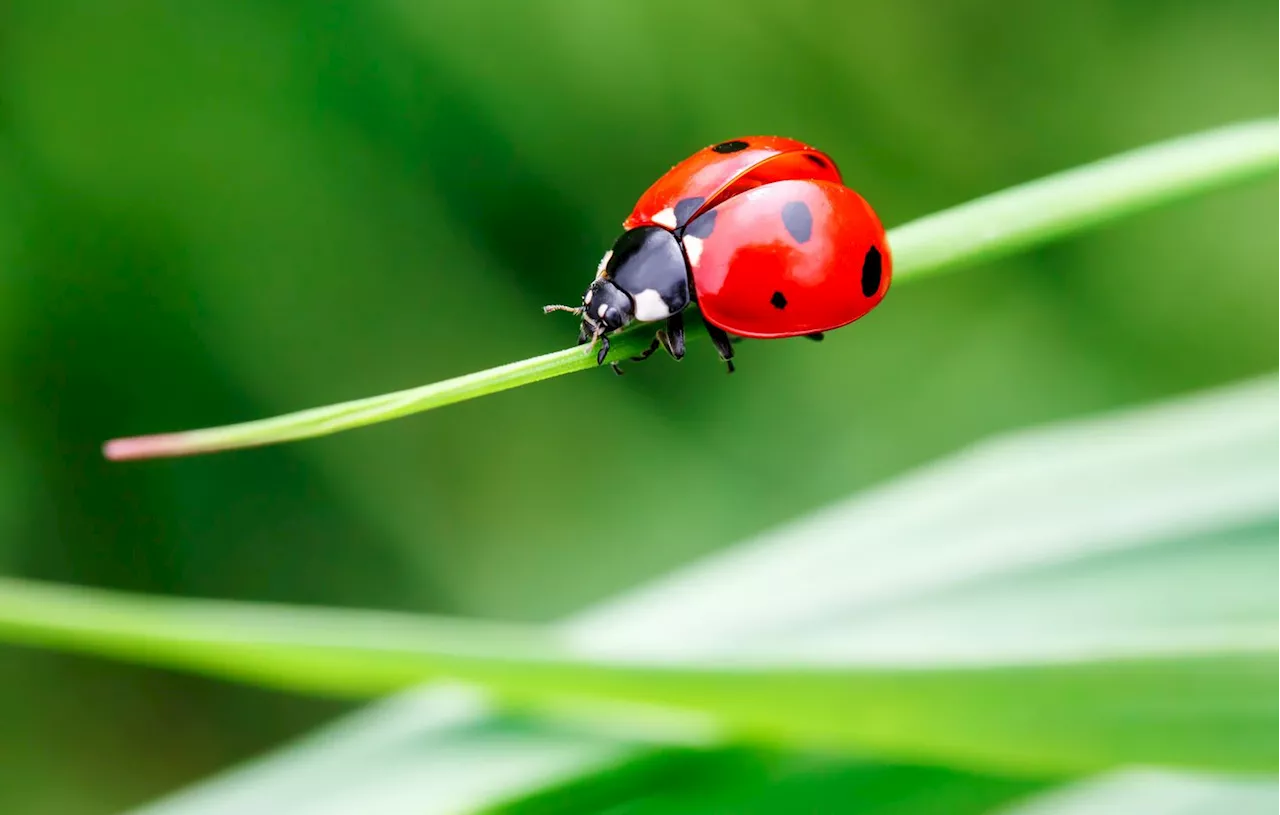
pixel 724 347
pixel 648 352
pixel 815 337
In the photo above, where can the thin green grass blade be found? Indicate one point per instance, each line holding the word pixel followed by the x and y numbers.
pixel 1059 205
pixel 323 421
pixel 999 224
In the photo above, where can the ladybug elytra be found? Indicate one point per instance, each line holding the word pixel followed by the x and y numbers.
pixel 760 232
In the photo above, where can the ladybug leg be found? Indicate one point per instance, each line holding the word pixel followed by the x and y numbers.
pixel 724 347
pixel 616 369
pixel 672 337
pixel 815 337
pixel 648 352
pixel 604 350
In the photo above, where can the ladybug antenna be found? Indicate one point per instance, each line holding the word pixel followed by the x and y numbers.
pixel 570 309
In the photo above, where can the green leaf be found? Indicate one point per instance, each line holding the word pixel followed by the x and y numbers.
pixel 426 752
pixel 1154 793
pixel 1202 698
pixel 431 753
pixel 984 229
pixel 737 782
pixel 1123 564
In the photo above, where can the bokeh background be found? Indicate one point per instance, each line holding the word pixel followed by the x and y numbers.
pixel 216 212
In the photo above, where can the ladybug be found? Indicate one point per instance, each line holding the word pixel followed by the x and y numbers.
pixel 760 232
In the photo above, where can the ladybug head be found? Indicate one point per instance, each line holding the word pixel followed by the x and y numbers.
pixel 605 308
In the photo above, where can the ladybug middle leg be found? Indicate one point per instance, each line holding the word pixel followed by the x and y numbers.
pixel 724 346
pixel 672 337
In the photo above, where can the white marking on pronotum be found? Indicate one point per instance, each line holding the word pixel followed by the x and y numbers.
pixel 604 261
pixel 600 311
pixel 650 306
pixel 693 249
pixel 666 218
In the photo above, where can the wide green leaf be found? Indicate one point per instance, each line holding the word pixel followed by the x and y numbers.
pixel 1153 793
pixel 737 782
pixel 425 752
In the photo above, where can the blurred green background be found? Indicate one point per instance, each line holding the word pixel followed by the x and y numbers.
pixel 215 212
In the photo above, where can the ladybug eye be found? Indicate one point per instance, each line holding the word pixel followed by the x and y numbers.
pixel 608 317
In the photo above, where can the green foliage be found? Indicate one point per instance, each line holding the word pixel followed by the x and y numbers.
pixel 240 209
pixel 1124 615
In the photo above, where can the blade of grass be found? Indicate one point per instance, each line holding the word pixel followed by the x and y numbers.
pixel 1040 211
pixel 996 225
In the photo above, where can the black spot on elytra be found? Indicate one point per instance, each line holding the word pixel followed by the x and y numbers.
pixel 686 207
pixel 871 272
pixel 730 146
pixel 778 301
pixel 816 160
pixel 798 220
pixel 702 225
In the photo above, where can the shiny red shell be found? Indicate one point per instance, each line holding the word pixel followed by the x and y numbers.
pixel 786 248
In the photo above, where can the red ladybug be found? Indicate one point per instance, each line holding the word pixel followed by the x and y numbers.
pixel 760 232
